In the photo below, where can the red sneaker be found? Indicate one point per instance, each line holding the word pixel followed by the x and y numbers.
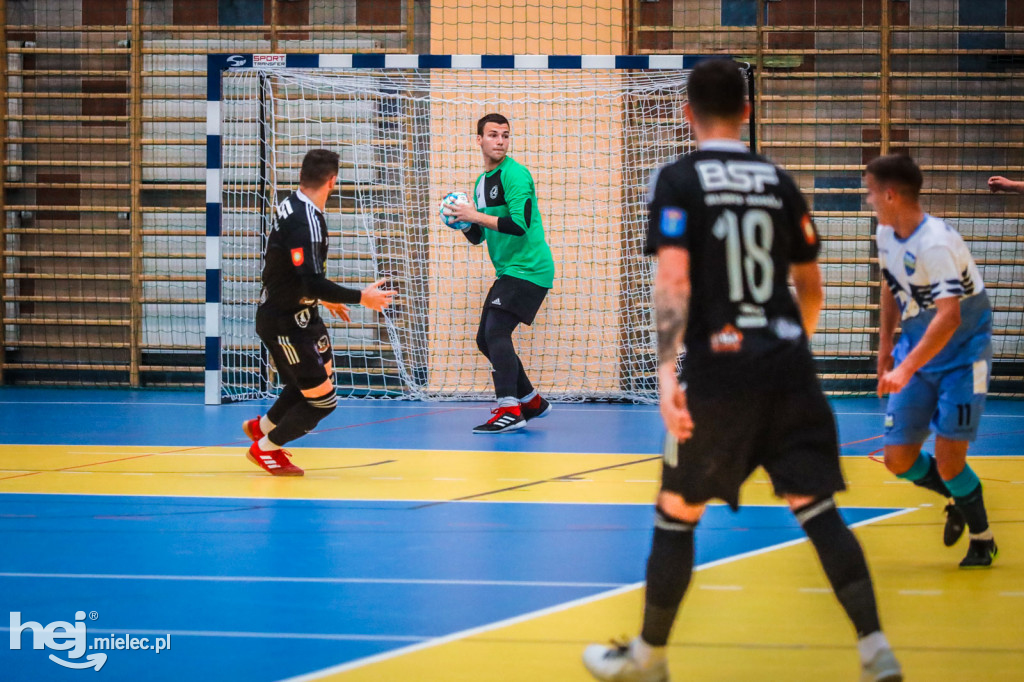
pixel 252 429
pixel 274 462
pixel 504 419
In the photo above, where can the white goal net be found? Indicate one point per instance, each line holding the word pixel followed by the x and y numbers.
pixel 590 138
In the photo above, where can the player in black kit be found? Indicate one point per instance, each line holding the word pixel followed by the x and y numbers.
pixel 729 229
pixel 288 318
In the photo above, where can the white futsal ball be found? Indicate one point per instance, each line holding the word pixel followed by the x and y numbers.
pixel 451 199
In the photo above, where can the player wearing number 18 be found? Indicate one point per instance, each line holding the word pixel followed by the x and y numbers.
pixel 729 229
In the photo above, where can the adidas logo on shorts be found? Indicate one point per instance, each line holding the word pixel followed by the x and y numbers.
pixel 496 301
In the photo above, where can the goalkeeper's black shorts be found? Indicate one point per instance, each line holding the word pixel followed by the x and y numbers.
pixel 518 296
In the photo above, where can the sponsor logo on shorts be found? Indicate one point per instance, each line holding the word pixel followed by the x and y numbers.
pixel 298 257
pixel 890 421
pixel 909 263
pixel 322 344
pixel 728 339
pixel 302 318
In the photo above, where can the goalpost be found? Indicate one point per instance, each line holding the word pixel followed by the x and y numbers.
pixel 589 128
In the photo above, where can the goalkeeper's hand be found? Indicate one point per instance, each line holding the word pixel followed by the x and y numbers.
pixel 339 310
pixel 375 298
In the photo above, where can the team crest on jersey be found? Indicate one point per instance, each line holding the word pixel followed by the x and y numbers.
pixel 673 221
pixel 494 192
pixel 298 257
pixel 909 263
pixel 322 344
pixel 728 339
pixel 302 318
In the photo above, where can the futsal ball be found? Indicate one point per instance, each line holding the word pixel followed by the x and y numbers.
pixel 451 199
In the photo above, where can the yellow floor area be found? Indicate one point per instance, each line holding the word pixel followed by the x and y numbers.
pixel 765 617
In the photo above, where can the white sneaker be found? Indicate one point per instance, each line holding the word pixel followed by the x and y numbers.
pixel 882 668
pixel 616 664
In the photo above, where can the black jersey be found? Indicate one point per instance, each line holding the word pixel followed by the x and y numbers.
pixel 744 222
pixel 296 248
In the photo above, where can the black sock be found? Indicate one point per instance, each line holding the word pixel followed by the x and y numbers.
pixel 669 569
pixel 523 385
pixel 290 396
pixel 972 506
pixel 302 418
pixel 932 481
pixel 843 560
pixel 497 333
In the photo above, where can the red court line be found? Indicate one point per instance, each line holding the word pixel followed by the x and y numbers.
pixel 219 445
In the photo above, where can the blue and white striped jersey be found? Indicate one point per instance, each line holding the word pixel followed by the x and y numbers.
pixel 931 264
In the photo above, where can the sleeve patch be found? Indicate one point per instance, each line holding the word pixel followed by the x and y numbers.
pixel 298 257
pixel 673 221
pixel 808 228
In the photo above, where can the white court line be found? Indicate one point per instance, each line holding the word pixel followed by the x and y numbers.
pixel 721 588
pixel 921 593
pixel 463 634
pixel 257 635
pixel 331 581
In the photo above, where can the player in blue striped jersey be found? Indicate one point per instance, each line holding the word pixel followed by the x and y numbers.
pixel 937 374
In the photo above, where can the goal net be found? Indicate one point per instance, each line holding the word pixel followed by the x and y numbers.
pixel 590 137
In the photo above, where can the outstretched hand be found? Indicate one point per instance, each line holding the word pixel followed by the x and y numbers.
pixel 375 298
pixel 997 183
pixel 339 310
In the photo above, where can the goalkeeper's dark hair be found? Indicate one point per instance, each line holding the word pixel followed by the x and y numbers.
pixel 318 166
pixel 491 118
pixel 899 172
pixel 716 88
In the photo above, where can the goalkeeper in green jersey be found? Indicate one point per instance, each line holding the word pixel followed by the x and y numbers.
pixel 505 215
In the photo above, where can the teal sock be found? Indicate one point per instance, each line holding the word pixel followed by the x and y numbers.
pixel 964 483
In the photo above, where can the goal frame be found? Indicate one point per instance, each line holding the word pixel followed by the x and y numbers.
pixel 218 64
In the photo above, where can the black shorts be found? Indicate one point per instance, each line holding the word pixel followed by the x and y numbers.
pixel 517 296
pixel 299 345
pixel 792 434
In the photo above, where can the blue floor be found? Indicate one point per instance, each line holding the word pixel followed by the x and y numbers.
pixel 179 418
pixel 269 589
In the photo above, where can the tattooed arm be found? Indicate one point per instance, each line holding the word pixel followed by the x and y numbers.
pixel 671 311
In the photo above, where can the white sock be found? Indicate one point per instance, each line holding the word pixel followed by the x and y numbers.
pixel 984 535
pixel 869 646
pixel 508 401
pixel 266 426
pixel 266 445
pixel 529 396
pixel 645 654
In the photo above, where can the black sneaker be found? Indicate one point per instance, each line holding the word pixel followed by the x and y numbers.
pixel 504 419
pixel 536 408
pixel 955 524
pixel 980 554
